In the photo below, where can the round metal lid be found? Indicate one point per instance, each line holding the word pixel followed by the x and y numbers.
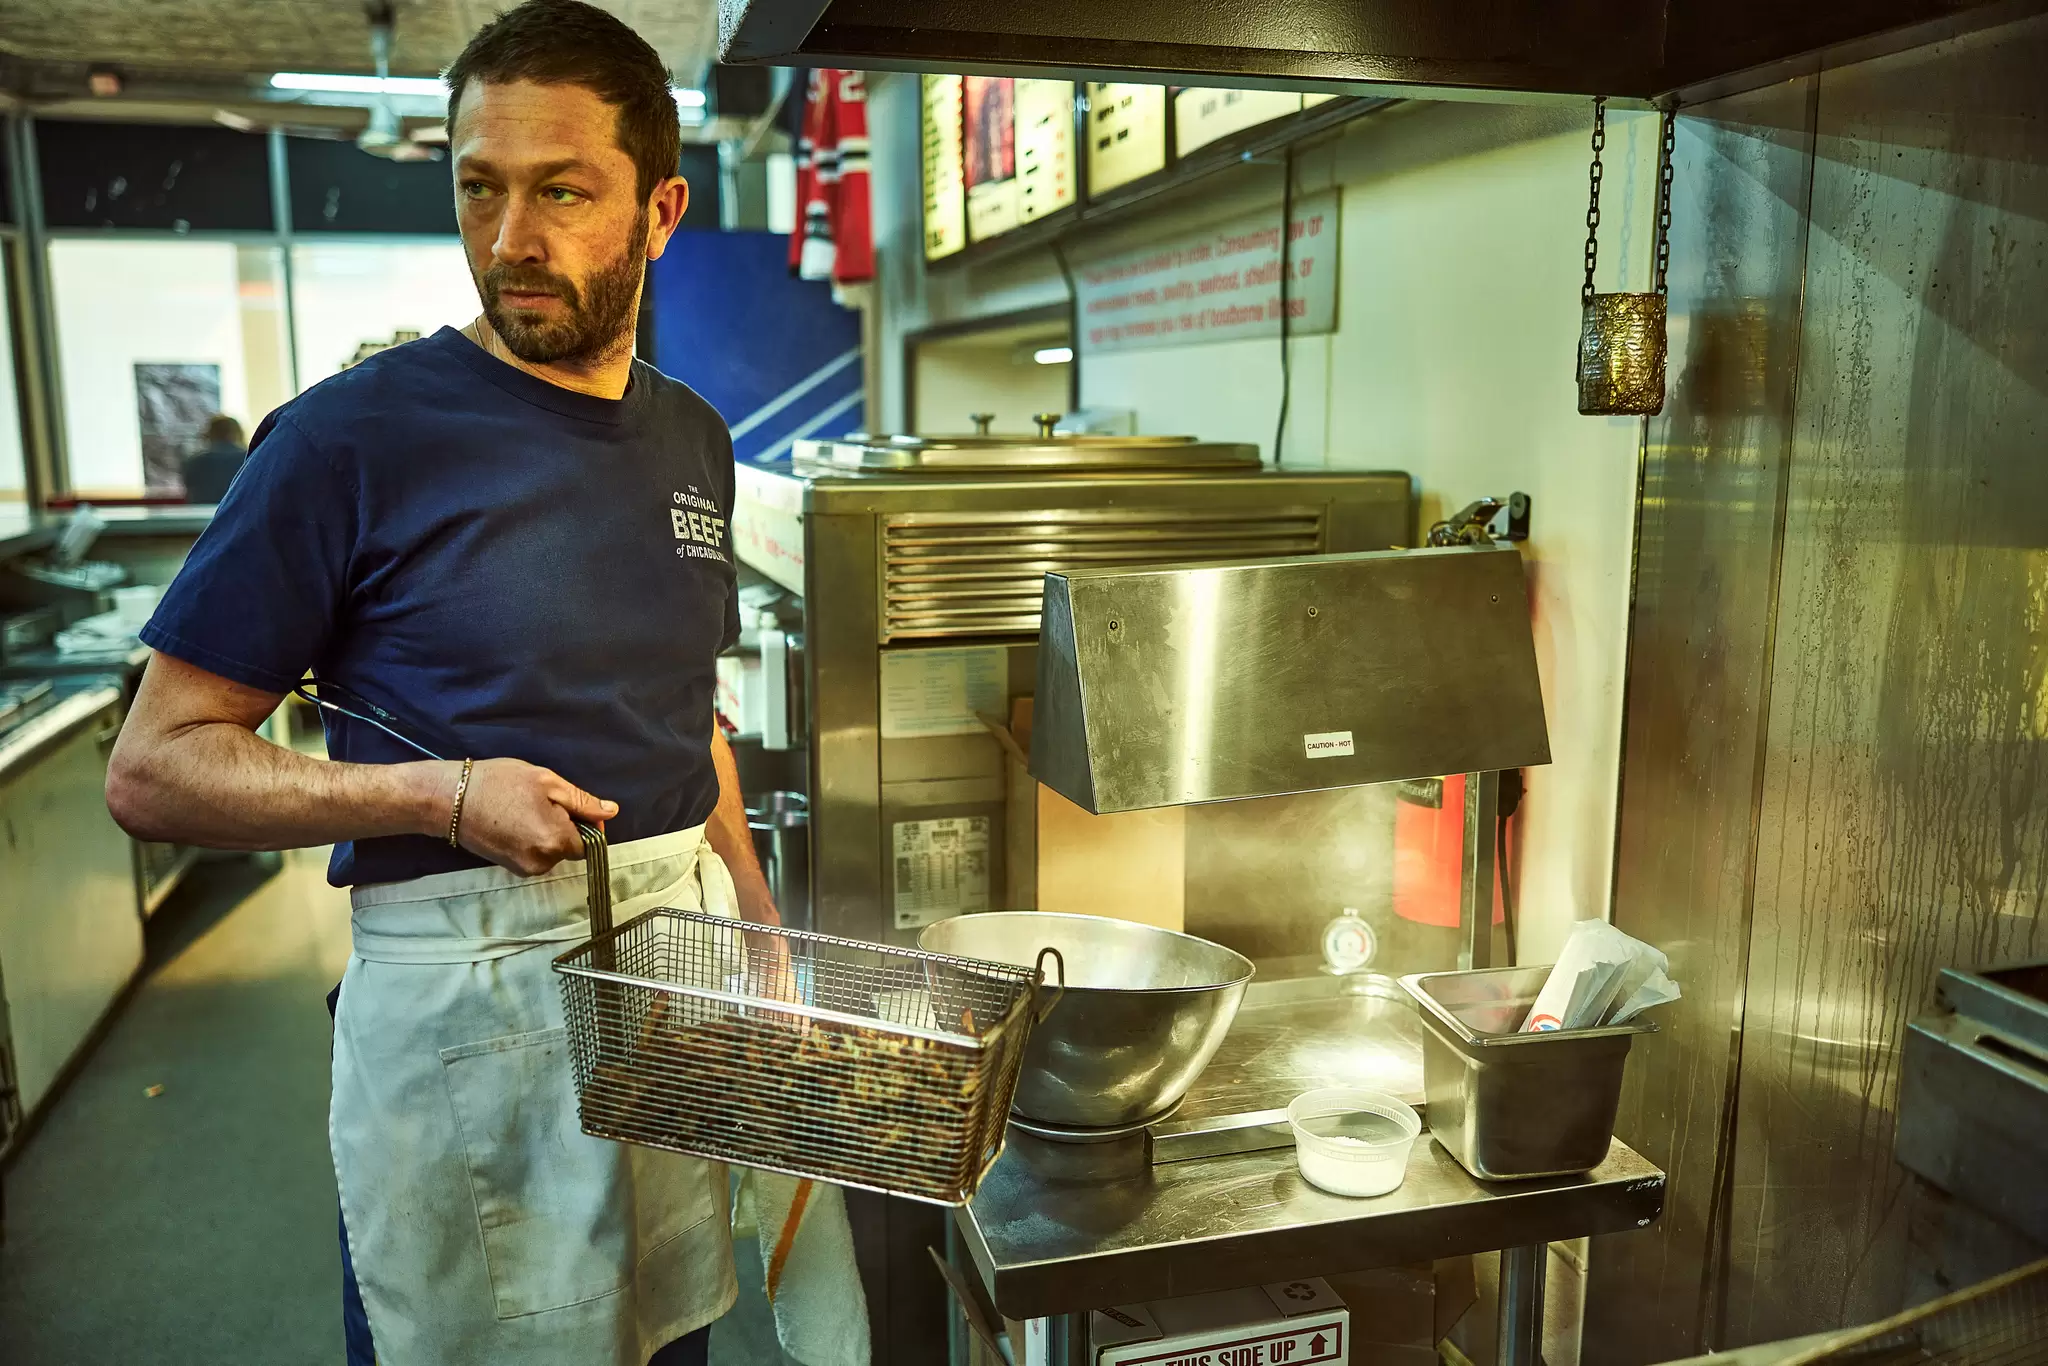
pixel 978 452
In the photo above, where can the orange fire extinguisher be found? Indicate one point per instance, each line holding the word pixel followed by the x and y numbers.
pixel 1429 851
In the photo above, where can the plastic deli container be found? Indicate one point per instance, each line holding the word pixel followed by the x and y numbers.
pixel 1352 1142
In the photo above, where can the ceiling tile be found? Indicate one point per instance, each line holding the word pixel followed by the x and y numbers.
pixel 222 37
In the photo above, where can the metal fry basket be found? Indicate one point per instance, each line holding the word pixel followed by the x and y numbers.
pixel 847 1062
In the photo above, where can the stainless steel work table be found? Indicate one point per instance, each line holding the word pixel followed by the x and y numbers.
pixel 1058 1229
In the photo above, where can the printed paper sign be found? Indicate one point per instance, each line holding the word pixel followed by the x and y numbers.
pixel 1218 285
pixel 941 869
pixel 943 692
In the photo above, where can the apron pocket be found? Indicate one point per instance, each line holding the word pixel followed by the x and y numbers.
pixel 564 1217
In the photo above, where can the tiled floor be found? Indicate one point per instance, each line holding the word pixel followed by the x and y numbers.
pixel 197 1228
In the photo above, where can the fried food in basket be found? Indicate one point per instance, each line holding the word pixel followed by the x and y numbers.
pixel 758 1082
pixel 836 1099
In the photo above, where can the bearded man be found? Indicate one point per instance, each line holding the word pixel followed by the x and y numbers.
pixel 508 541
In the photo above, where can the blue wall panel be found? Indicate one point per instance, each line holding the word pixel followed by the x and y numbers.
pixel 775 356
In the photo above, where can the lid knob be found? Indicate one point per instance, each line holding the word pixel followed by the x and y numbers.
pixel 981 421
pixel 1046 422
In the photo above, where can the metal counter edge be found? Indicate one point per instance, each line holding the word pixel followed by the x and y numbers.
pixel 38 734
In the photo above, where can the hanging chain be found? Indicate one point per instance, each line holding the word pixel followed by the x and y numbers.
pixel 1593 204
pixel 1664 197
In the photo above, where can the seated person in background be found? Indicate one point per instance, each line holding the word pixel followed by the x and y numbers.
pixel 210 469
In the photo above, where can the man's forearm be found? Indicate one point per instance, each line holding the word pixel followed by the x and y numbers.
pixel 219 786
pixel 733 842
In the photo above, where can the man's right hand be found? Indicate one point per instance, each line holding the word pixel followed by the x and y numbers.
pixel 522 817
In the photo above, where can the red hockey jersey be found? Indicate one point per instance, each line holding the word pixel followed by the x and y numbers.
pixel 834 237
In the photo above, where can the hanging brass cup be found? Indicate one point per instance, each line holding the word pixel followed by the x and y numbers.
pixel 1621 355
pixel 1621 336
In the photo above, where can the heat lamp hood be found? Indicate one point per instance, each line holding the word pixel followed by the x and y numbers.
pixel 1172 686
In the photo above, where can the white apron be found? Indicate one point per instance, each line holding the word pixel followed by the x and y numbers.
pixel 486 1228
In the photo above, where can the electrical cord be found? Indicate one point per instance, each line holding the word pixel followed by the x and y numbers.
pixel 1510 802
pixel 1059 256
pixel 1286 269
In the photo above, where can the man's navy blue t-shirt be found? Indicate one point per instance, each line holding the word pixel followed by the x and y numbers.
pixel 516 569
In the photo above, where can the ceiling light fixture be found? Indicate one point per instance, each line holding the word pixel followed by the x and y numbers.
pixel 334 83
pixel 687 98
pixel 1053 355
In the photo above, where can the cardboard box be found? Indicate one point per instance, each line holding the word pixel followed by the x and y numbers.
pixel 1288 1323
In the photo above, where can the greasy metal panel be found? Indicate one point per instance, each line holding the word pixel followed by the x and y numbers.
pixel 845 692
pixel 1264 876
pixel 1633 48
pixel 1624 67
pixel 1904 821
pixel 1556 35
pixel 1255 678
pixel 1709 37
pixel 1699 649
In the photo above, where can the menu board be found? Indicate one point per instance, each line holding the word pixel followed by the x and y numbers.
pixel 1126 133
pixel 1202 114
pixel 945 198
pixel 1045 148
pixel 1020 152
pixel 991 106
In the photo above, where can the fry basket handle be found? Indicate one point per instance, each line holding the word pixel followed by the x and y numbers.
pixel 597 869
pixel 1060 990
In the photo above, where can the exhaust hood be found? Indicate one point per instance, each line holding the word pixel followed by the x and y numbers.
pixel 1624 48
pixel 1169 686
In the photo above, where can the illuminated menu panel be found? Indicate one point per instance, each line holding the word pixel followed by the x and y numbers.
pixel 992 186
pixel 1045 148
pixel 1019 152
pixel 945 196
pixel 1126 133
pixel 1202 114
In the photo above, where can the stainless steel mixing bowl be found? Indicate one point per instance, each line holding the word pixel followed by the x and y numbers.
pixel 1144 1011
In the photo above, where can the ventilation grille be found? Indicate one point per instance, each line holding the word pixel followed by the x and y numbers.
pixel 975 574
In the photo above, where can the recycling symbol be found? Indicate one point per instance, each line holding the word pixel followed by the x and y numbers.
pixel 1298 1290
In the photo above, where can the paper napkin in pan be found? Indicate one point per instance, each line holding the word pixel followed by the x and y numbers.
pixel 1602 977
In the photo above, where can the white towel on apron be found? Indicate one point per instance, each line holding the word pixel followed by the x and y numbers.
pixel 485 1227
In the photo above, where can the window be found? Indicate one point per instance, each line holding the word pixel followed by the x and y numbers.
pixel 336 187
pixel 349 296
pixel 151 175
pixel 13 460
pixel 152 339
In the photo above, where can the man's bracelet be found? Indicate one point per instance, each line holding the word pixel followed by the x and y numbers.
pixel 461 791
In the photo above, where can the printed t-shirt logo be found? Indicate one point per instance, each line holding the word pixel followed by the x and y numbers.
pixel 700 531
